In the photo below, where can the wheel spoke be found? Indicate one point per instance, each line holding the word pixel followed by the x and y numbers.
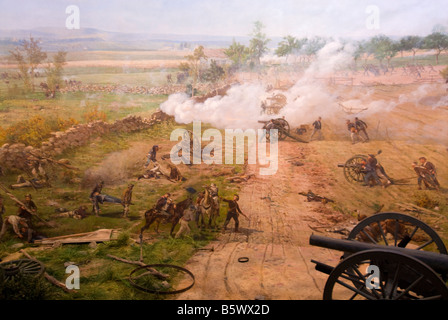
pixel 425 244
pixel 368 236
pixel 362 293
pixel 395 282
pixel 409 287
pixel 382 233
pixel 413 232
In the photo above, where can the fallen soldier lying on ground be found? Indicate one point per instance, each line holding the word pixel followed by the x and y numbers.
pixel 77 214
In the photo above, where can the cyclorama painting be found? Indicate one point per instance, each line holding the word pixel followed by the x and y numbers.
pixel 223 150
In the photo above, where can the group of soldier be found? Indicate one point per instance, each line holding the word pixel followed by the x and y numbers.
pixel 164 202
pixel 357 129
pixel 22 222
pixel 374 171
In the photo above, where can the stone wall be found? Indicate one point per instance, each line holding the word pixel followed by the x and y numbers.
pixel 15 156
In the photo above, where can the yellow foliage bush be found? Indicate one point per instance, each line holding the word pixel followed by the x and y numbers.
pixel 35 130
pixel 94 115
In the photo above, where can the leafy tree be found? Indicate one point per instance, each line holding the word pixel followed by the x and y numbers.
pixel 54 72
pixel 194 65
pixel 258 43
pixel 237 53
pixel 17 56
pixel 383 48
pixel 436 41
pixel 28 56
pixel 289 46
pixel 360 50
pixel 214 72
pixel 410 43
pixel 313 46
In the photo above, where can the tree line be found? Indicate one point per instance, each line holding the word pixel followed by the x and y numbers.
pixel 380 47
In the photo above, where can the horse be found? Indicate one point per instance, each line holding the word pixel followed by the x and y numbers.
pixel 175 211
pixel 178 213
pixel 208 206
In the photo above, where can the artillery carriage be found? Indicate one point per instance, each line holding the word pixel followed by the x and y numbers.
pixel 282 127
pixel 410 257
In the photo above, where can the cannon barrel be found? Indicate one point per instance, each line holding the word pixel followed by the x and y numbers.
pixel 341 165
pixel 438 262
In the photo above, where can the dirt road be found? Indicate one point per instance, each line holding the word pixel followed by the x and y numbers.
pixel 275 240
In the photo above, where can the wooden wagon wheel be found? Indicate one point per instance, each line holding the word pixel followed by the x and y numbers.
pixel 398 230
pixel 138 278
pixel 405 231
pixel 401 277
pixel 12 269
pixel 353 171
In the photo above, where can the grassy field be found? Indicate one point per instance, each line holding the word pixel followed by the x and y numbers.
pixel 101 277
pixel 118 160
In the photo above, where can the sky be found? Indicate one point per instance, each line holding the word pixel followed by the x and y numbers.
pixel 341 18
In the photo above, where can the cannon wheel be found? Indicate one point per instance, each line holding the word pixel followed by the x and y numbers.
pixel 283 129
pixel 12 269
pixel 352 169
pixel 401 278
pixel 375 224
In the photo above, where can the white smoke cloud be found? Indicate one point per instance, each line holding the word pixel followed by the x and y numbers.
pixel 309 97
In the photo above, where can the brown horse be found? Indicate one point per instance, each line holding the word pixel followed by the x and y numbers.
pixel 175 211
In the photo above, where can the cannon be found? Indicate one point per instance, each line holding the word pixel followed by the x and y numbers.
pixel 282 127
pixel 354 168
pixel 273 104
pixel 410 258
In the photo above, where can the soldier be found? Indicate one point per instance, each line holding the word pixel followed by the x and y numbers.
pixel 353 132
pixel 361 126
pixel 97 197
pixel 215 196
pixel 39 177
pixel 77 214
pixel 188 215
pixel 152 155
pixel 233 212
pixel 381 173
pixel 163 204
pixel 370 169
pixel 23 212
pixel 175 174
pixel 16 222
pixel 431 170
pixel 126 200
pixel 421 174
pixel 96 192
pixel 317 129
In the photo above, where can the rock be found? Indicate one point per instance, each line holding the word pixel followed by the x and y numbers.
pixel 259 297
pixel 165 285
pixel 93 245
